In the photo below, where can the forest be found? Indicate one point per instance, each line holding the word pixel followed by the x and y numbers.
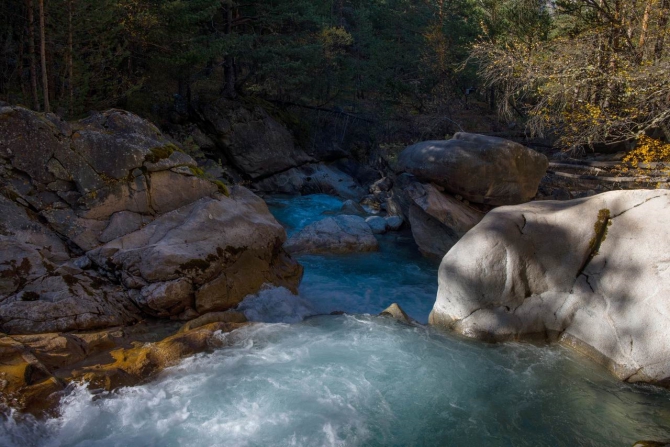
pixel 579 72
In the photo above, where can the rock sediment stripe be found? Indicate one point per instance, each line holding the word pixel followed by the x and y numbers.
pixel 591 273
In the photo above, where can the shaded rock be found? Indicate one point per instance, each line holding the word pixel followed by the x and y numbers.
pixel 169 190
pixel 395 311
pixel 202 140
pixel 437 220
pixel 252 140
pixel 338 234
pixel 430 235
pixel 449 211
pixel 312 179
pixel 394 223
pixel 482 169
pixel 372 203
pixel 115 142
pixel 176 159
pixel 362 173
pixel 39 301
pixel 590 273
pixel 352 208
pixel 165 299
pixel 122 223
pixel 384 184
pixel 377 224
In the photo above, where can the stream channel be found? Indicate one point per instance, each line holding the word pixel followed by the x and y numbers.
pixel 306 378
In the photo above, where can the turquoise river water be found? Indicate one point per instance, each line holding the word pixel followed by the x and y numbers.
pixel 302 378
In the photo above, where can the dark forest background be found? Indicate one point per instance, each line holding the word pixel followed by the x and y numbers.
pixel 576 71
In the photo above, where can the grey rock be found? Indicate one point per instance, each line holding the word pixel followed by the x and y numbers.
pixel 165 299
pixel 34 297
pixel 482 169
pixel 352 208
pixel 82 262
pixel 590 273
pixel 226 247
pixel 121 224
pixel 107 186
pixel 312 179
pixel 169 190
pixel 251 139
pixel 175 159
pixel 384 184
pixel 377 224
pixel 437 220
pixel 115 142
pixel 394 223
pixel 338 234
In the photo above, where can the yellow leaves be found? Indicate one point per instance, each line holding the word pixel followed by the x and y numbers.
pixel 648 150
pixel 336 37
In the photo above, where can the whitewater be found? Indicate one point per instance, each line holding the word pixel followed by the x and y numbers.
pixel 303 377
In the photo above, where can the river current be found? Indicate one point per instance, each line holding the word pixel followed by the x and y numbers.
pixel 305 378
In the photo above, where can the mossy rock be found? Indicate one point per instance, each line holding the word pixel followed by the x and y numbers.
pixel 222 187
pixel 160 153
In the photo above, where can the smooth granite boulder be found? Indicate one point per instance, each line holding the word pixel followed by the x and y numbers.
pixel 482 169
pixel 592 273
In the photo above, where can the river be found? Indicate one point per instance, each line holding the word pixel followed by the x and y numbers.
pixel 306 378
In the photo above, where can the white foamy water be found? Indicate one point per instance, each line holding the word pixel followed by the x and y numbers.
pixel 362 381
pixel 276 305
pixel 358 380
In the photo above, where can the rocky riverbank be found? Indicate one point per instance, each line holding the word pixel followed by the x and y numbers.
pixel 106 223
pixel 124 251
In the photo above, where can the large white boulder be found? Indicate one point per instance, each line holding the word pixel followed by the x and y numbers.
pixel 592 273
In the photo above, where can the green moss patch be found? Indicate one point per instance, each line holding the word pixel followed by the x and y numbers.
pixel 157 154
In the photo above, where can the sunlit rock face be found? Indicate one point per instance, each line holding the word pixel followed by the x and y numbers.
pixel 482 169
pixel 104 221
pixel 593 273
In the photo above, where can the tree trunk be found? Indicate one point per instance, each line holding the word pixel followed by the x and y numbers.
pixel 31 51
pixel 645 26
pixel 662 25
pixel 70 58
pixel 21 62
pixel 43 56
pixel 229 60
